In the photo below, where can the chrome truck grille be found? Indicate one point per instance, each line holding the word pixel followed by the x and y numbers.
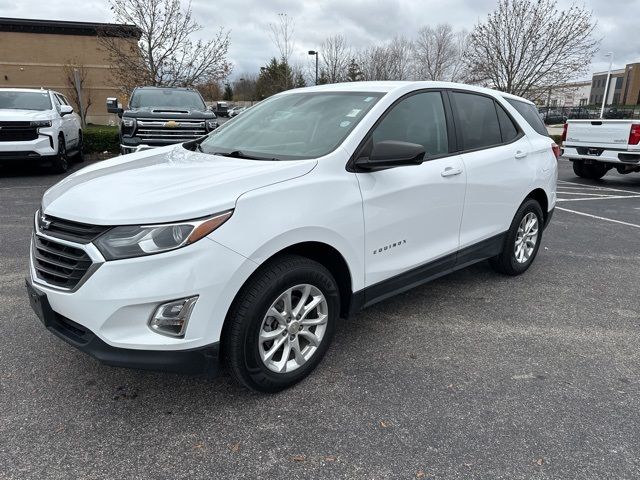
pixel 169 130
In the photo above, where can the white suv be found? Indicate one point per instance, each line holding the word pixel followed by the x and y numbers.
pixel 38 126
pixel 249 245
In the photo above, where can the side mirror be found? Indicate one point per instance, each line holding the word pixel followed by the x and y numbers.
pixel 113 106
pixel 65 110
pixel 391 153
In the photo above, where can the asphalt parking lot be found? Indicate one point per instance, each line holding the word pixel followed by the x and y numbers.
pixel 472 376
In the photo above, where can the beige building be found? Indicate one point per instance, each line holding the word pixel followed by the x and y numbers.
pixel 41 53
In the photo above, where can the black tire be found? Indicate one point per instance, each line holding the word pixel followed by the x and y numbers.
pixel 592 171
pixel 60 163
pixel 506 262
pixel 240 338
pixel 79 157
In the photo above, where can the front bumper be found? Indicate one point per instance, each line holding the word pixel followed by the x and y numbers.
pixel 194 361
pixel 38 150
pixel 115 301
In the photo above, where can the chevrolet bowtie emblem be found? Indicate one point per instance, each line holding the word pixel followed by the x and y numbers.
pixel 44 223
pixel 171 124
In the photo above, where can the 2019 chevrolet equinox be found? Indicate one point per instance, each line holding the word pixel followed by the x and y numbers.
pixel 247 246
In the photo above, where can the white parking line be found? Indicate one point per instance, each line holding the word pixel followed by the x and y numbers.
pixel 597 188
pixel 599 218
pixel 611 197
pixel 584 193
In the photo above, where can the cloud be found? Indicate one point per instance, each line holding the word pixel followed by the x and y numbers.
pixel 362 22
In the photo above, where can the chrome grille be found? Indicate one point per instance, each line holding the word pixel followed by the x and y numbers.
pixel 171 130
pixel 67 230
pixel 58 264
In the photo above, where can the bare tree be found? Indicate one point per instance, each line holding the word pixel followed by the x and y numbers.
pixel 166 54
pixel 78 91
pixel 282 35
pixel 399 53
pixel 438 53
pixel 386 62
pixel 335 56
pixel 526 46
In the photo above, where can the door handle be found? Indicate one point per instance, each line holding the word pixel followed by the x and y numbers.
pixel 451 171
pixel 520 154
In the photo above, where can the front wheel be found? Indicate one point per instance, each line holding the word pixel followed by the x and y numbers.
pixel 61 160
pixel 522 241
pixel 281 324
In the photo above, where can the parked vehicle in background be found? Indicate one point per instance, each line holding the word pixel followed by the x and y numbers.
pixel 161 116
pixel 580 112
pixel 221 109
pixel 39 126
pixel 253 242
pixel 597 146
pixel 553 117
pixel 236 111
pixel 615 113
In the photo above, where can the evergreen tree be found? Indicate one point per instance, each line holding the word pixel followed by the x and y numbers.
pixel 354 74
pixel 228 93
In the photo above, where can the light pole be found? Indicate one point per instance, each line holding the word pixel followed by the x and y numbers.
pixel 606 87
pixel 315 52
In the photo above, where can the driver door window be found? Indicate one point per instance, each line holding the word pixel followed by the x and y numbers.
pixel 418 119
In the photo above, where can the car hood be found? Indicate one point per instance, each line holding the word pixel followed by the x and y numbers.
pixel 162 185
pixel 11 115
pixel 168 112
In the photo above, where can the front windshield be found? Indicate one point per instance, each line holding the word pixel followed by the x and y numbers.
pixel 292 126
pixel 159 98
pixel 39 101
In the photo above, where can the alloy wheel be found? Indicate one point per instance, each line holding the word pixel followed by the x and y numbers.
pixel 293 328
pixel 526 237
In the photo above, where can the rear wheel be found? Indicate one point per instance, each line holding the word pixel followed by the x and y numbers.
pixel 281 324
pixel 593 171
pixel 522 241
pixel 61 160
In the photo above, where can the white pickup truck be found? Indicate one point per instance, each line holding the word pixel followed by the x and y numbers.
pixel 597 146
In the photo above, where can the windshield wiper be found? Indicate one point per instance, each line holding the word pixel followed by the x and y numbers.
pixel 240 154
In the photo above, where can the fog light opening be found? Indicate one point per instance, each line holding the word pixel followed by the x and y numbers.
pixel 171 318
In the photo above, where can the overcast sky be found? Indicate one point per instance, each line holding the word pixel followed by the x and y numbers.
pixel 362 22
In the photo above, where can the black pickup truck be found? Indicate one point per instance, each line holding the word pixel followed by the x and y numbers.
pixel 159 116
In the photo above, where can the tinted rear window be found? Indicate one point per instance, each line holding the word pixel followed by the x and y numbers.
pixel 509 130
pixel 477 120
pixel 530 114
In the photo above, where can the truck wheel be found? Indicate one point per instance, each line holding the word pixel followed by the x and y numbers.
pixel 592 172
pixel 61 161
pixel 522 241
pixel 280 324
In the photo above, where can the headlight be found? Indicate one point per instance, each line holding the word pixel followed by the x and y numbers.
pixel 41 123
pixel 128 122
pixel 137 241
pixel 211 125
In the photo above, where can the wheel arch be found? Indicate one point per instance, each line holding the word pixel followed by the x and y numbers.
pixel 324 254
pixel 540 196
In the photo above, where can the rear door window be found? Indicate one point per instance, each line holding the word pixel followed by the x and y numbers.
pixel 476 120
pixel 530 113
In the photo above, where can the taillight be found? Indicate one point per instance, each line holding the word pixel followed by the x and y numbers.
pixel 556 150
pixel 634 136
pixel 564 132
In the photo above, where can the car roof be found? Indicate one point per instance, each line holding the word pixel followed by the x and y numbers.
pixel 33 90
pixel 165 88
pixel 390 86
